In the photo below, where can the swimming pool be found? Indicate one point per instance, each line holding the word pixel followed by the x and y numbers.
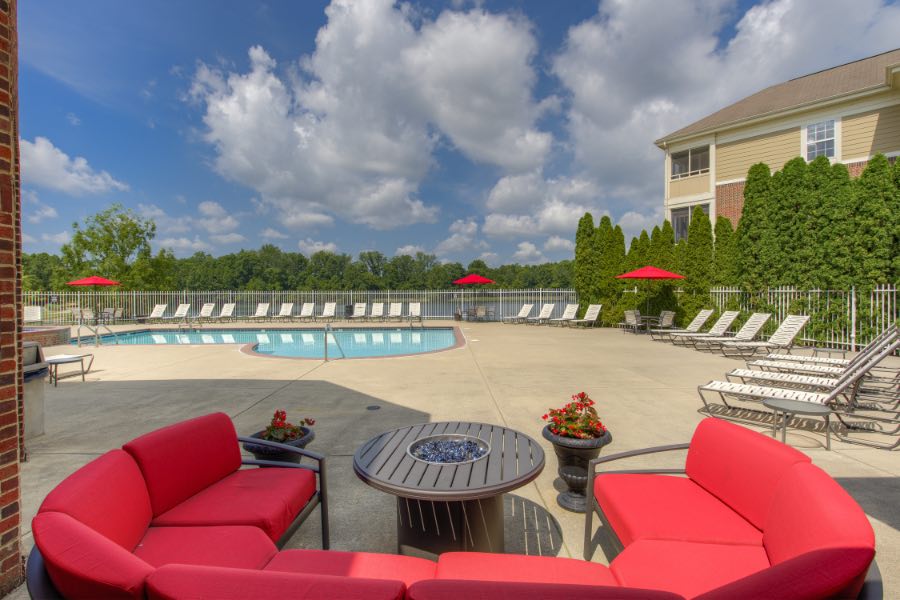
pixel 304 343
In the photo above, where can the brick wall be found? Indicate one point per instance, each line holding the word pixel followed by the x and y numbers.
pixel 730 201
pixel 11 406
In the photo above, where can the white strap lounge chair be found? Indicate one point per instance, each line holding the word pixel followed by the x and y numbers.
pixel 543 316
pixel 590 316
pixel 227 312
pixel 722 324
pixel 33 314
pixel 285 313
pixel 836 362
pixel 159 339
pixel 181 313
pixel 327 312
pixel 395 311
pixel 359 312
pixel 783 338
pixel 228 338
pixel 523 314
pixel 306 311
pixel 262 312
pixel 287 338
pixel 746 333
pixel 377 313
pixel 694 326
pixel 206 312
pixel 414 312
pixel 158 313
pixel 567 317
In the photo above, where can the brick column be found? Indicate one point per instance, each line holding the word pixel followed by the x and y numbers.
pixel 11 384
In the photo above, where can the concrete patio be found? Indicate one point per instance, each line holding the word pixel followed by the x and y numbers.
pixel 509 375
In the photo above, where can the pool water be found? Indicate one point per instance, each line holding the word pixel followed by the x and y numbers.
pixel 304 343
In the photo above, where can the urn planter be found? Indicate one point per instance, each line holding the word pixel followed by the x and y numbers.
pixel 261 452
pixel 573 455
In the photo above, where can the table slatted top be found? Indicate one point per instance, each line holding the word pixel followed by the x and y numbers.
pixel 384 463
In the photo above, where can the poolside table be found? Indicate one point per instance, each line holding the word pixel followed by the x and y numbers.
pixel 65 359
pixel 443 507
pixel 798 407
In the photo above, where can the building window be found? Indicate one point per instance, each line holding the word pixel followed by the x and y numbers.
pixel 681 219
pixel 820 140
pixel 690 162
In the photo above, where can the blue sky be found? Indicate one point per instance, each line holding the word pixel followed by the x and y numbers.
pixel 464 129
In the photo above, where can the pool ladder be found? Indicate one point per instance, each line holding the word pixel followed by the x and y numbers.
pixel 336 343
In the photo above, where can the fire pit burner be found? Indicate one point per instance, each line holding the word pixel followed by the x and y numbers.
pixel 449 449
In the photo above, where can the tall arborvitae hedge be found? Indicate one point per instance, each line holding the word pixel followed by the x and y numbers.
pixel 664 255
pixel 786 208
pixel 895 224
pixel 873 239
pixel 831 223
pixel 698 267
pixel 753 224
pixel 584 269
pixel 726 254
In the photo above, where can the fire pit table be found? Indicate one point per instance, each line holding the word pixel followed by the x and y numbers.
pixel 449 479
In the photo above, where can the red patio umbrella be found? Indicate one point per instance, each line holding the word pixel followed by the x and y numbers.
pixel 650 272
pixel 93 280
pixel 473 279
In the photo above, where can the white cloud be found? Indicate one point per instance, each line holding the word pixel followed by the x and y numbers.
pixel 489 257
pixel 183 244
pixel 408 250
pixel 352 133
pixel 165 223
pixel 556 243
pixel 215 219
pixel 45 165
pixel 28 239
pixel 272 234
pixel 462 238
pixel 36 210
pixel 228 238
pixel 310 246
pixel 528 253
pixel 73 119
pixel 63 237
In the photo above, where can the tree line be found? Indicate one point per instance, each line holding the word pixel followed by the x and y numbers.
pixel 116 244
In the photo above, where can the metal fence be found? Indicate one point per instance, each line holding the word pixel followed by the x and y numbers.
pixel 838 318
pixel 56 307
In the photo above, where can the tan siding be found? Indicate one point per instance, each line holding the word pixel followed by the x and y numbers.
pixel 871 132
pixel 689 186
pixel 734 159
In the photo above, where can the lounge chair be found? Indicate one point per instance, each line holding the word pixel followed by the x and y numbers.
pixel 359 312
pixel 722 324
pixel 746 333
pixel 395 311
pixel 590 316
pixel 543 316
pixel 158 313
pixel 306 311
pixel 327 312
pixel 414 312
pixel 285 313
pixel 694 326
pixel 206 312
pixel 227 312
pixel 523 314
pixel 33 314
pixel 262 312
pixel 782 339
pixel 377 313
pixel 181 313
pixel 830 361
pixel 567 317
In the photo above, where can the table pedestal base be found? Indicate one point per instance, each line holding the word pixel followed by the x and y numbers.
pixel 427 528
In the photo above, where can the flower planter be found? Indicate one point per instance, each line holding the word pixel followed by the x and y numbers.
pixel 573 455
pixel 261 452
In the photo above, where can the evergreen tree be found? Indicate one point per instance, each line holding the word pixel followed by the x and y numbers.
pixel 607 264
pixel 698 268
pixel 895 224
pixel 753 225
pixel 585 259
pixel 665 252
pixel 680 256
pixel 875 193
pixel 632 258
pixel 653 253
pixel 726 256
pixel 832 225
pixel 643 257
pixel 781 240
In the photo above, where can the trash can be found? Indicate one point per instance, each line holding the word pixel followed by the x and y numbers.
pixel 35 370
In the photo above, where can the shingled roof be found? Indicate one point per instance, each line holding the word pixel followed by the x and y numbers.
pixel 831 83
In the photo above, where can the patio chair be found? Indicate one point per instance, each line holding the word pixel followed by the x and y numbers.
pixel 569 314
pixel 632 321
pixel 722 324
pixel 327 312
pixel 523 314
pixel 285 313
pixel 414 312
pixel 262 312
pixel 206 312
pixel 181 313
pixel 543 316
pixel 306 311
pixel 106 315
pixel 83 315
pixel 395 311
pixel 590 316
pixel 158 313
pixel 377 313
pixel 118 315
pixel 359 312
pixel 694 326
pixel 227 312
pixel 746 333
pixel 33 314
pixel 783 338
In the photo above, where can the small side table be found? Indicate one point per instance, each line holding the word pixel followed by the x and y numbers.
pixel 798 407
pixel 65 359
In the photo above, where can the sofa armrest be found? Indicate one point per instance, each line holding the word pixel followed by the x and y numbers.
pixel 284 447
pixel 592 465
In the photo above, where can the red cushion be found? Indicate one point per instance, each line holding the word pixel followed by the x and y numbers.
pixel 685 568
pixel 265 498
pixel 82 563
pixel 181 582
pixel 108 495
pixel 451 589
pixel 180 460
pixel 664 507
pixel 366 565
pixel 810 576
pixel 238 547
pixel 811 511
pixel 525 569
pixel 739 466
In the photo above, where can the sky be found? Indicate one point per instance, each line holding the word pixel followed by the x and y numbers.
pixel 462 129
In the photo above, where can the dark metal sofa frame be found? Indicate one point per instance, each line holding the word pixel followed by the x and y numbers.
pixel 873 588
pixel 40 587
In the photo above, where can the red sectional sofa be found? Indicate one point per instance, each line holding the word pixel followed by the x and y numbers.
pixel 173 517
